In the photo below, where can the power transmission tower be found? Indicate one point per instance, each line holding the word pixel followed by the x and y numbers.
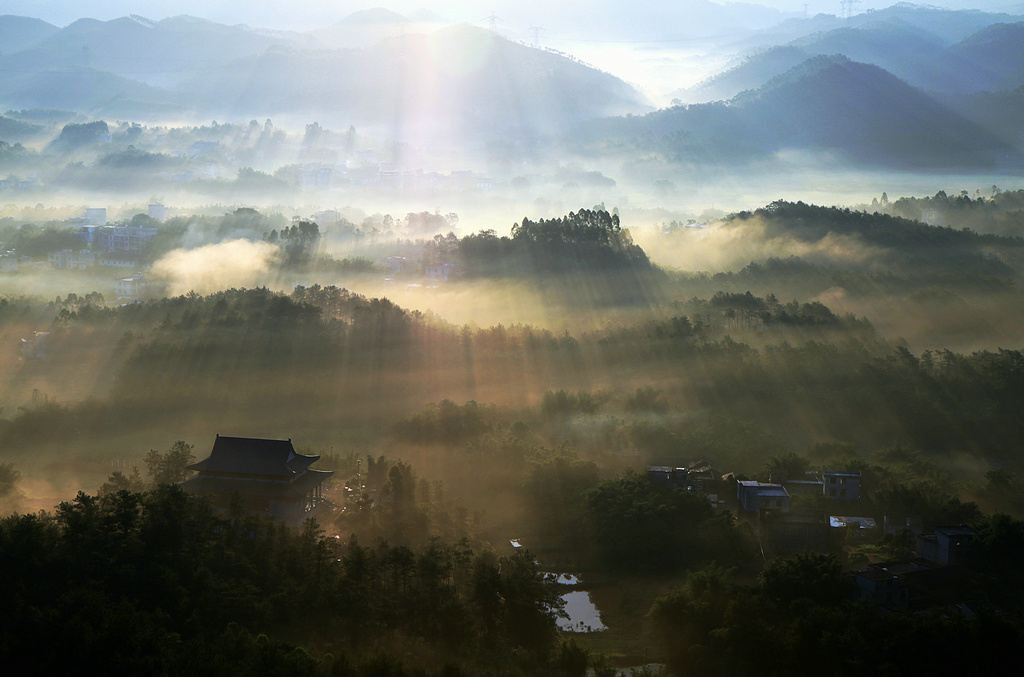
pixel 493 20
pixel 847 6
pixel 535 32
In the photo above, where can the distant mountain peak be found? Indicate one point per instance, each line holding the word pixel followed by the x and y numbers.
pixel 811 66
pixel 750 73
pixel 148 23
pixel 1009 32
pixel 83 23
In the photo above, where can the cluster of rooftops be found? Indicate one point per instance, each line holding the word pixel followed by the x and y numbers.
pixel 935 575
pixel 754 496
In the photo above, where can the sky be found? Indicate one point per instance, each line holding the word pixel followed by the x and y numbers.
pixel 306 14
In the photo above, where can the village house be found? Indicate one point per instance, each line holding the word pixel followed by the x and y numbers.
pixel 158 212
pixel 130 288
pixel 69 259
pixel 95 216
pixel 835 484
pixel 842 486
pixel 807 484
pixel 116 239
pixel 916 584
pixel 787 533
pixel 700 475
pixel 758 497
pixel 675 478
pixel 947 545
pixel 888 584
pixel 936 577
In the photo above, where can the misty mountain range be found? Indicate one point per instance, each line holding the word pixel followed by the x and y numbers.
pixel 454 80
pixel 860 111
pixel 458 78
pixel 992 58
pixel 907 86
pixel 904 87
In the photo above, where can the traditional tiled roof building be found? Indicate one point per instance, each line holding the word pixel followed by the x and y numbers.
pixel 266 475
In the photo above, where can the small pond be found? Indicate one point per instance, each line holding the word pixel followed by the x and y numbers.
pixel 583 615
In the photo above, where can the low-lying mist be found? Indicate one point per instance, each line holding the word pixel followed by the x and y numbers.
pixel 213 267
pixel 722 246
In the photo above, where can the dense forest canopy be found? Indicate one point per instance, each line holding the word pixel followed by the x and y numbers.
pixel 584 241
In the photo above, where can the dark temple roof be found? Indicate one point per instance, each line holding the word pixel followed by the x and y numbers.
pixel 251 456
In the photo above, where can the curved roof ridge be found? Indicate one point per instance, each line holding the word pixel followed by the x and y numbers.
pixel 254 456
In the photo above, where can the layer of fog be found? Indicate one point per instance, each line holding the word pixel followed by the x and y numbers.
pixel 211 268
pixel 721 247
pixel 658 195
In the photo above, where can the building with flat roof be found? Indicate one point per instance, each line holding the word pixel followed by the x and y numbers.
pixel 158 212
pixel 807 484
pixel 761 496
pixel 671 476
pixel 130 288
pixel 96 216
pixel 786 533
pixel 840 485
pixel 69 259
pixel 916 584
pixel 947 545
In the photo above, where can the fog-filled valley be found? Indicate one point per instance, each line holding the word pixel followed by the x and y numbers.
pixel 548 323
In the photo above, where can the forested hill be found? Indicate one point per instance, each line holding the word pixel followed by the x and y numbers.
pixel 157 583
pixel 584 241
pixel 905 245
pixel 866 113
pixel 325 358
pixel 812 222
pixel 989 60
